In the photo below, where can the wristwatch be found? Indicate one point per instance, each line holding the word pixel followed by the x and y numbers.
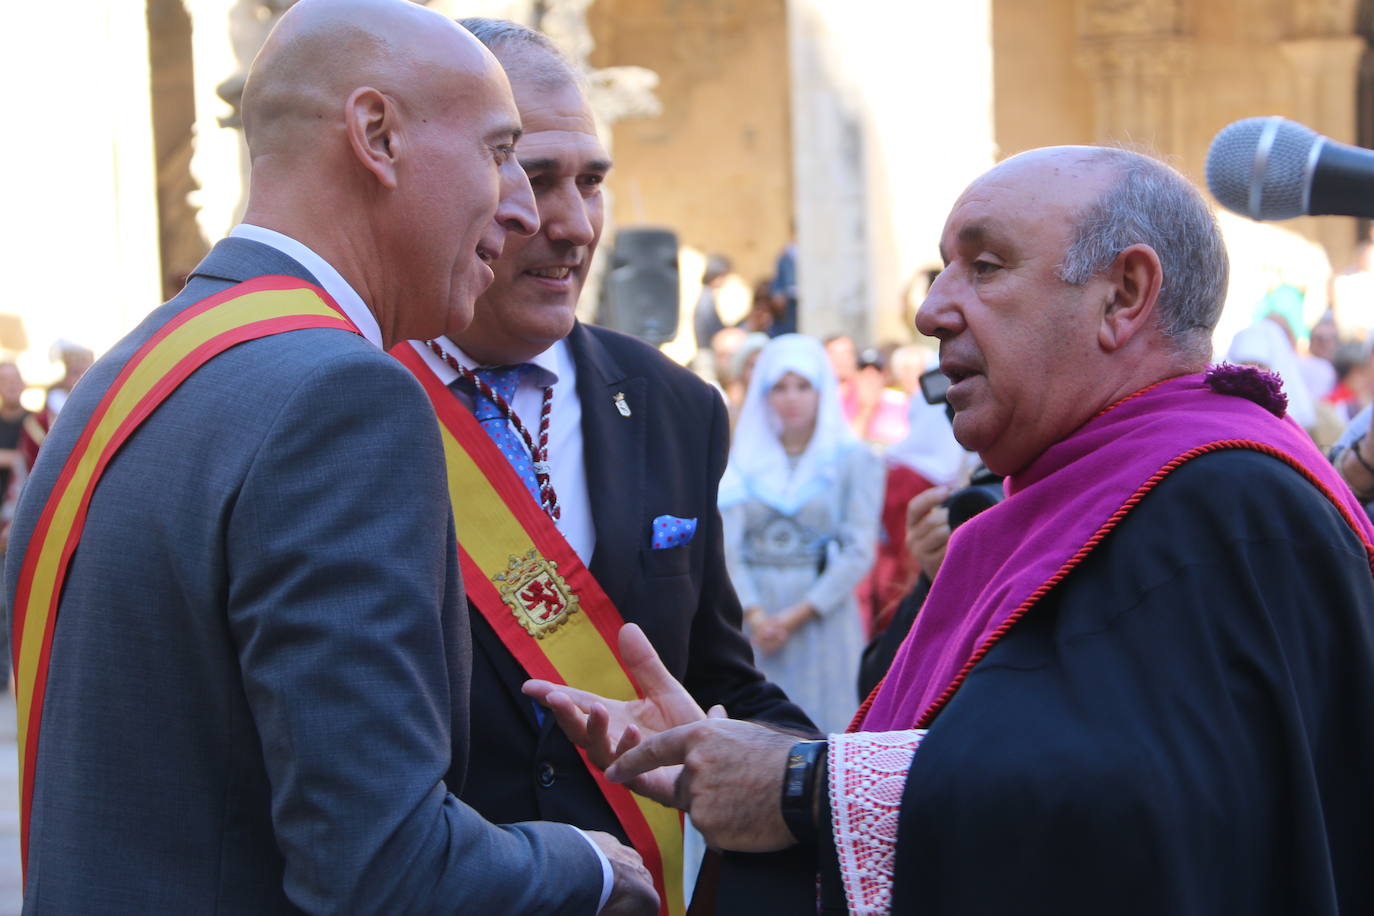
pixel 805 764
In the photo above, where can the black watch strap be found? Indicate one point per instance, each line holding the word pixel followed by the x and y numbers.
pixel 799 784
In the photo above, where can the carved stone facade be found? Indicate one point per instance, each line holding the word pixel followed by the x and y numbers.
pixel 1135 57
pixel 715 164
pixel 1159 75
pixel 734 120
pixel 1166 75
pixel 1104 19
pixel 1324 53
pixel 1321 18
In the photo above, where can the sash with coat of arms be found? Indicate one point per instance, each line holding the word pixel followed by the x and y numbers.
pixel 541 600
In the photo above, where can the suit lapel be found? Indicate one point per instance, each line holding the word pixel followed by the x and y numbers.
pixel 613 446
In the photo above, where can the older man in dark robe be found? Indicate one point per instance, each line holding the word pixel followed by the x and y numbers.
pixel 1144 682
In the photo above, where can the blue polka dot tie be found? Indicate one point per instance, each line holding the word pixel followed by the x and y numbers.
pixel 503 380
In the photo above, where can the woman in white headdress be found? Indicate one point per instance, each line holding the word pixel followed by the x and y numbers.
pixel 800 501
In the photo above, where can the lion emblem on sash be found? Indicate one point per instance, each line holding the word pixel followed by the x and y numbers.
pixel 536 594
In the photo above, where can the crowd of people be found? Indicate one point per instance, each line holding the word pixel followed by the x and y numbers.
pixel 830 444
pixel 1327 372
pixel 362 577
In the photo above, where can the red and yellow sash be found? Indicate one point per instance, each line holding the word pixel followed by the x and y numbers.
pixel 543 602
pixel 257 308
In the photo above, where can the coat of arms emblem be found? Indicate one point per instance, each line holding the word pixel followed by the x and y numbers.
pixel 536 594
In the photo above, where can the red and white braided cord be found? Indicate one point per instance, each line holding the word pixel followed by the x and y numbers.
pixel 539 452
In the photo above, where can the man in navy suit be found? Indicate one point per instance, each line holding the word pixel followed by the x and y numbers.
pixel 634 440
pixel 256 698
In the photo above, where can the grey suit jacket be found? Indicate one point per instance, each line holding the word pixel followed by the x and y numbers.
pixel 258 700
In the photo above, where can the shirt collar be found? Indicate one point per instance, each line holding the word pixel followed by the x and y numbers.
pixel 552 364
pixel 329 279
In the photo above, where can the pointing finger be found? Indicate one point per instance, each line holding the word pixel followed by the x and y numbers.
pixel 664 749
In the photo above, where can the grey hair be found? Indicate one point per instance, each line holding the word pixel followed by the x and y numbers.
pixel 532 53
pixel 1152 204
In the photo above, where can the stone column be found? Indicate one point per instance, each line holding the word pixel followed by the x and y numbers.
pixel 1135 57
pixel 174 117
pixel 219 162
pixel 828 151
pixel 891 118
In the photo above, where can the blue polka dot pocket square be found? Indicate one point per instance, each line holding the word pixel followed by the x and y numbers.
pixel 671 531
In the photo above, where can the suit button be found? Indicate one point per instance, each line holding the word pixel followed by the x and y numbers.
pixel 547 775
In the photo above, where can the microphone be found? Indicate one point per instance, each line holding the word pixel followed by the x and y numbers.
pixel 1271 168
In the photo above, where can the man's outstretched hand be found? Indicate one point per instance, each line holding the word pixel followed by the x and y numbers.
pixel 606 728
pixel 725 773
pixel 728 778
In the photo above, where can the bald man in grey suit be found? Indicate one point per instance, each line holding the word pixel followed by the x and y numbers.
pixel 257 699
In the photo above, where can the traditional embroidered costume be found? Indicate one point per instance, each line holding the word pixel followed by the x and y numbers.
pixel 803 529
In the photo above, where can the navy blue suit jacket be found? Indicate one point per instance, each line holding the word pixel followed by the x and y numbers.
pixel 258 700
pixel 665 458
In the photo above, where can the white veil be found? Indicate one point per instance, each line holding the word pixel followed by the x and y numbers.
pixel 758 465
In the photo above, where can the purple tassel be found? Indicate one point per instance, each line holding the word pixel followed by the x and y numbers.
pixel 1263 387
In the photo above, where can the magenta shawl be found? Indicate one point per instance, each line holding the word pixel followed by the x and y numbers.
pixel 1060 506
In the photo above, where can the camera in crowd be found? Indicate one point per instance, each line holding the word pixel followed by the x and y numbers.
pixel 984 489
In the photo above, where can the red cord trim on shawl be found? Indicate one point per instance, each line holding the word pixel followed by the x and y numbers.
pixel 1115 518
pixel 862 712
pixel 1130 397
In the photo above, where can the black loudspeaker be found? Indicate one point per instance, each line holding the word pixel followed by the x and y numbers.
pixel 642 285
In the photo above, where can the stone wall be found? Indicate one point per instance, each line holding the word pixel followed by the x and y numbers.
pixel 1165 76
pixel 715 165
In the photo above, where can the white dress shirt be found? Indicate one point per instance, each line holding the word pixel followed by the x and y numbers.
pixel 567 465
pixel 333 283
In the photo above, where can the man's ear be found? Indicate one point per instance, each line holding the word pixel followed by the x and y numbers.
pixel 1136 277
pixel 372 121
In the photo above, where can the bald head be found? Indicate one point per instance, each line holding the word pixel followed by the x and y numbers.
pixel 1050 304
pixel 323 50
pixel 1117 198
pixel 382 136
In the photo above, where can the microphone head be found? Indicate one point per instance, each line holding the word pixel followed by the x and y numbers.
pixel 1262 167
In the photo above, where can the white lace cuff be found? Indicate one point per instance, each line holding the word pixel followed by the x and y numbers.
pixel 867 772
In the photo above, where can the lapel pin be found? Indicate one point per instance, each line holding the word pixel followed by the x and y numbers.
pixel 620 404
